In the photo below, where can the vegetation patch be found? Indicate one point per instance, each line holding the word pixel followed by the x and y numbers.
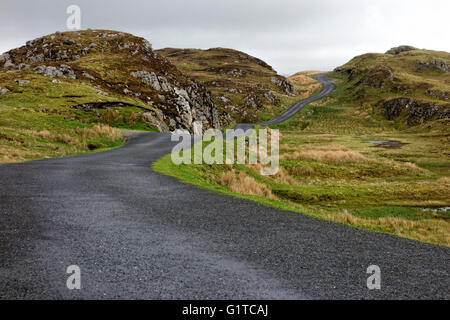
pixel 329 171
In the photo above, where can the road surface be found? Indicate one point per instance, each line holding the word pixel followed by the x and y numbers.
pixel 136 233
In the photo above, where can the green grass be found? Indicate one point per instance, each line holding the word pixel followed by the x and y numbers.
pixel 387 193
pixel 211 67
pixel 43 105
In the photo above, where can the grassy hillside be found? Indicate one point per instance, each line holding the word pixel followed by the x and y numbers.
pixel 408 86
pixel 342 159
pixel 242 86
pixel 59 85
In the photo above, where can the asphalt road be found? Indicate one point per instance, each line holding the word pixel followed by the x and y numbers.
pixel 138 234
pixel 327 87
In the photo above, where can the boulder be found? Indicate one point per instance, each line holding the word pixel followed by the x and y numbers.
pixel 63 71
pixel 68 42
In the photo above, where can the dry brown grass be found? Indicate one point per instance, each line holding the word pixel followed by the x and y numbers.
pixel 100 130
pixel 282 176
pixel 243 184
pixel 303 84
pixel 412 166
pixel 428 230
pixel 43 134
pixel 444 181
pixel 337 156
pixel 65 138
pixel 10 154
pixel 76 141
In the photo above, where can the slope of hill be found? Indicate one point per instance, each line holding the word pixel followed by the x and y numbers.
pixel 66 81
pixel 241 85
pixel 406 85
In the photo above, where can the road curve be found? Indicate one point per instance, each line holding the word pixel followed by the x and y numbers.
pixel 327 87
pixel 138 234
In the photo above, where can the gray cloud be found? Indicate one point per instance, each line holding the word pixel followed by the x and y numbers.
pixel 290 35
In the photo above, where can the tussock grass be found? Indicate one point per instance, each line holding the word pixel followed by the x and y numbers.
pixel 243 184
pixel 427 230
pixel 328 170
pixel 336 156
pixel 100 130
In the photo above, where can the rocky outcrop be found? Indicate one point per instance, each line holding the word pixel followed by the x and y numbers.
pixel 437 94
pixel 194 106
pixel 252 102
pixel 378 77
pixel 434 65
pixel 241 83
pixel 63 71
pixel 8 63
pixel 132 70
pixel 415 111
pixel 273 99
pixel 400 49
pixel 283 84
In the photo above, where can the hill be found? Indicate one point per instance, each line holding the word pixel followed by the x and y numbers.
pixel 63 82
pixel 345 159
pixel 407 85
pixel 241 85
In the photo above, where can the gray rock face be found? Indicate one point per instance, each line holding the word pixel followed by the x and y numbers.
pixel 400 49
pixel 283 84
pixel 417 112
pixel 148 78
pixel 436 65
pixel 193 107
pixel 252 102
pixel 63 71
pixel 36 58
pixel 8 64
pixel 269 95
pixel 156 119
pixel 4 57
pixel 147 44
pixel 437 94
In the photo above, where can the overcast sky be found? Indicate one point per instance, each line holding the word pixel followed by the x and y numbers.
pixel 291 35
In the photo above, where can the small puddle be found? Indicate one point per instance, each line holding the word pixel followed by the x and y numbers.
pixel 388 144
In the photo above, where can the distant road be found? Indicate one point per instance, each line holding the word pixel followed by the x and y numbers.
pixel 327 87
pixel 136 233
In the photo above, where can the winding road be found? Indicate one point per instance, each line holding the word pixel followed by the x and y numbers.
pixel 136 233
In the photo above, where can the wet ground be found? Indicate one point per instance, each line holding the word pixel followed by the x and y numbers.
pixel 388 144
